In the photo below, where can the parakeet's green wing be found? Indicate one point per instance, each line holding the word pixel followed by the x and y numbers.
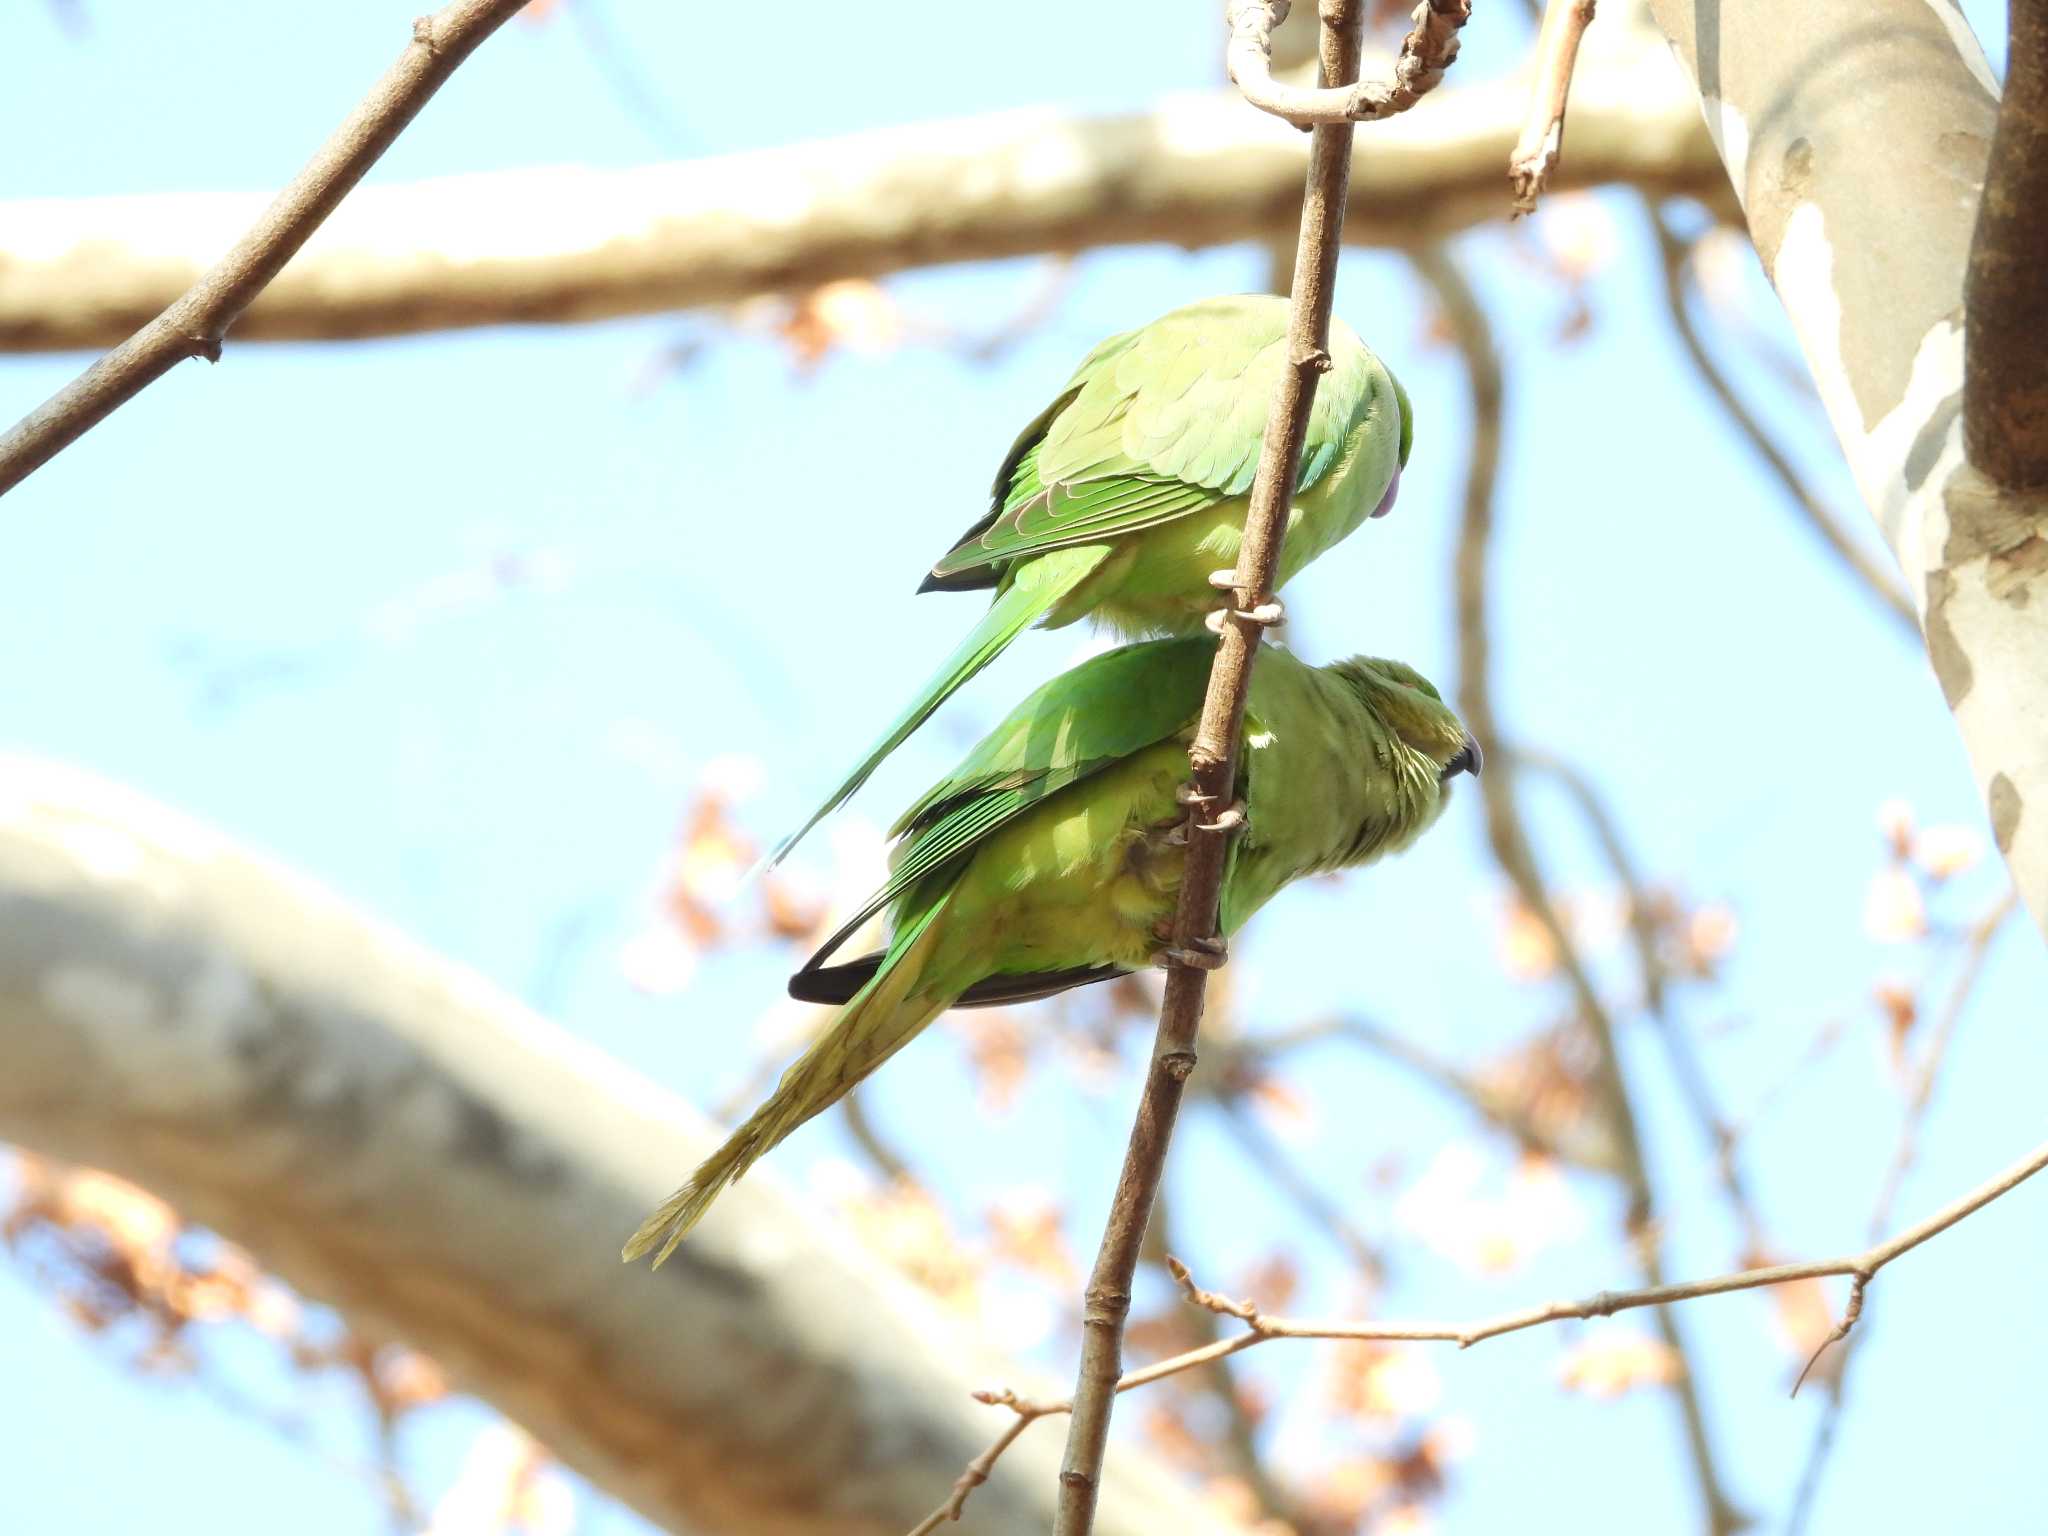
pixel 1163 422
pixel 1079 723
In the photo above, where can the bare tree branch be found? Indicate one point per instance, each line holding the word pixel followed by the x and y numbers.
pixel 1430 48
pixel 2005 390
pixel 1260 1328
pixel 395 1138
pixel 197 323
pixel 1213 759
pixel 570 245
pixel 1510 843
pixel 1535 153
pixel 1880 583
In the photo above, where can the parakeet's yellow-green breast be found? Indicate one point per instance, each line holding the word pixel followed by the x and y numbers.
pixel 1130 489
pixel 1052 856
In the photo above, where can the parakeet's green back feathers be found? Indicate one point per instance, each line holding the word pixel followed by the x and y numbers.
pixel 1161 422
pixel 1122 496
pixel 1049 858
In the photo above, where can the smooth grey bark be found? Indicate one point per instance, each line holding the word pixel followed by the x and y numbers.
pixel 395 1137
pixel 1856 133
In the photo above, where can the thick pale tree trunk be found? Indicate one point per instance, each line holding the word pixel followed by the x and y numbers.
pixel 395 1137
pixel 1856 133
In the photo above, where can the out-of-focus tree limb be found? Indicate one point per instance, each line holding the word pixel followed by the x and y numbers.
pixel 1843 123
pixel 573 244
pixel 396 1138
pixel 1472 332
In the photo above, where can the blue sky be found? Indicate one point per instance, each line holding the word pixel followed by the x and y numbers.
pixel 497 774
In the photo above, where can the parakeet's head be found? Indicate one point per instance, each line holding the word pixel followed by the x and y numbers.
pixel 1411 709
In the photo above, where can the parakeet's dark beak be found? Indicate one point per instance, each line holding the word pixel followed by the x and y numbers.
pixel 1387 501
pixel 1467 759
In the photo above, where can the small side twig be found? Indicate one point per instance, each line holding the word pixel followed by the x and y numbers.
pixel 1557 53
pixel 1981 936
pixel 1427 51
pixel 1261 1328
pixel 197 323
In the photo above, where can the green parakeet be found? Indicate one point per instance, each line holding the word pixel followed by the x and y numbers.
pixel 1052 856
pixel 1121 498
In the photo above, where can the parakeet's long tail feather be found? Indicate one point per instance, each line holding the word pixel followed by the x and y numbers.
pixel 882 1017
pixel 1037 587
pixel 839 983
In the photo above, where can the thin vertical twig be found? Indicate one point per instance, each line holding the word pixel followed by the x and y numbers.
pixel 197 323
pixel 1213 759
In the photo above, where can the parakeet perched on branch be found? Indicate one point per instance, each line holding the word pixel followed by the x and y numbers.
pixel 1052 856
pixel 1123 498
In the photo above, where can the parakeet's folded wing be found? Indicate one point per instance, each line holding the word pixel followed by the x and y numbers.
pixel 1154 425
pixel 1071 728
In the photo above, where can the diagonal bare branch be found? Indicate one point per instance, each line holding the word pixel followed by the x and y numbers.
pixel 1261 1329
pixel 197 324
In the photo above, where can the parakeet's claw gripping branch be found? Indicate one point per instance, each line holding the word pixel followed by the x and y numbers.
pixel 1266 613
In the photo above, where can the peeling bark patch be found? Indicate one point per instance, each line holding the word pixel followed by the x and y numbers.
pixel 1785 189
pixel 2006 806
pixel 1984 520
pixel 1951 666
pixel 1929 441
pixel 1964 155
pixel 2010 575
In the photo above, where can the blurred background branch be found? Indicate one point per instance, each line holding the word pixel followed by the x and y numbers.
pixel 1197 170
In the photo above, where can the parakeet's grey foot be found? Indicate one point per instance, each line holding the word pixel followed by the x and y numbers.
pixel 1201 954
pixel 1224 581
pixel 1265 614
pixel 1190 794
pixel 1231 818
